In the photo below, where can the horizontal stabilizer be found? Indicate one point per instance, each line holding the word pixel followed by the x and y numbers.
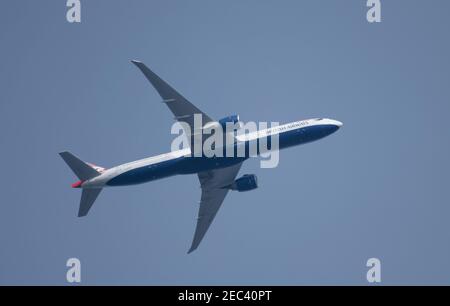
pixel 88 198
pixel 79 167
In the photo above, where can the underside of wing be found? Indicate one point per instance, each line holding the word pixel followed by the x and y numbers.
pixel 214 191
pixel 183 110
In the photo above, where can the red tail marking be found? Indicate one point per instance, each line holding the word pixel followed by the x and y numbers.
pixel 77 184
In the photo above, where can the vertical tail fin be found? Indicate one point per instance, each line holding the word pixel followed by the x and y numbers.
pixel 84 172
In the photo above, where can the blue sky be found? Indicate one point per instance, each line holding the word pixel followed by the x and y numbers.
pixel 377 188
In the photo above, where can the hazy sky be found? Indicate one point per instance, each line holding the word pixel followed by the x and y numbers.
pixel 376 188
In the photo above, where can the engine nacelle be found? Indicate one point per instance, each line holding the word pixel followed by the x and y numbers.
pixel 245 183
pixel 233 119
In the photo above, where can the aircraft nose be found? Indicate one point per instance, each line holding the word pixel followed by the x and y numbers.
pixel 338 123
pixel 332 126
pixel 335 123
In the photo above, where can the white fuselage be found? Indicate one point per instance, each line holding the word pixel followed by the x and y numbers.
pixel 147 164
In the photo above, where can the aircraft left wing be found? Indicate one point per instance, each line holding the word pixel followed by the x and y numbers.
pixel 182 109
pixel 213 193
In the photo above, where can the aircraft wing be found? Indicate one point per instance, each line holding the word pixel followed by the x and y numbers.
pixel 182 109
pixel 213 194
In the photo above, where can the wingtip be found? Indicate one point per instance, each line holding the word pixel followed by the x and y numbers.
pixel 62 154
pixel 191 250
pixel 136 62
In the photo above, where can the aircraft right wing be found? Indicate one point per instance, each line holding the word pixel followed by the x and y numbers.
pixel 182 109
pixel 213 194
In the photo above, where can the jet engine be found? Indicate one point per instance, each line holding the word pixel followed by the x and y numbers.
pixel 233 119
pixel 246 182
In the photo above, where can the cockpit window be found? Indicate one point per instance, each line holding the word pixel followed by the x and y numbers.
pixel 318 119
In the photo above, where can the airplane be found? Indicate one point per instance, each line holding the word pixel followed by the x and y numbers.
pixel 217 175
